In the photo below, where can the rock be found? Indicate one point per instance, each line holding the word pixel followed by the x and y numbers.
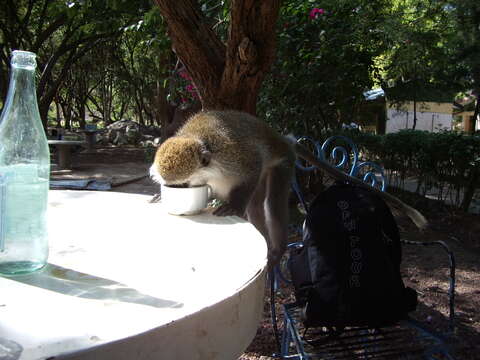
pixel 147 143
pixel 120 139
pixel 133 135
pixel 122 125
pixel 128 132
pixel 474 206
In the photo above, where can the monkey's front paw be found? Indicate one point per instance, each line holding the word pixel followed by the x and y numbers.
pixel 227 210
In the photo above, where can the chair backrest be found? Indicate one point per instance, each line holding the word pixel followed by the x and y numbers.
pixel 340 152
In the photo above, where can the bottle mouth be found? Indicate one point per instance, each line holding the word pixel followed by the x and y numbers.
pixel 24 59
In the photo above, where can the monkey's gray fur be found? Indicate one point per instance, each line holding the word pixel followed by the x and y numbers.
pixel 248 165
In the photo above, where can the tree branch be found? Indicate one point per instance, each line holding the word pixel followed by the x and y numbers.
pixel 26 18
pixel 73 57
pixel 226 77
pixel 90 42
pixel 43 15
pixel 250 48
pixel 194 42
pixel 8 37
pixel 44 35
pixel 20 29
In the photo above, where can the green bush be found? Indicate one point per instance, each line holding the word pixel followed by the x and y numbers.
pixel 448 161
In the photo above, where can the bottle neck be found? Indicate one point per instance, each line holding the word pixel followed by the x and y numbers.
pixel 23 79
pixel 22 87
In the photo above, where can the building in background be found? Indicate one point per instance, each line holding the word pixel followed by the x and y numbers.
pixel 381 115
pixel 464 111
pixel 431 116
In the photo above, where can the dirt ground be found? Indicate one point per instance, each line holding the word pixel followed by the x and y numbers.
pixel 424 269
pixel 113 164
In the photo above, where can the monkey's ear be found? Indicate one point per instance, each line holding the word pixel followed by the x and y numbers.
pixel 205 157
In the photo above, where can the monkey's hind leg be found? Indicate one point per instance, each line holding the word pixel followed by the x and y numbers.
pixel 276 210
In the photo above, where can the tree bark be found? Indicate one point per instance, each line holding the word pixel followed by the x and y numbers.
pixel 477 111
pixel 178 117
pixel 82 116
pixel 162 110
pixel 227 76
pixel 471 187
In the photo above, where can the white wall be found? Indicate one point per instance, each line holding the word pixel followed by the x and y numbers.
pixel 429 121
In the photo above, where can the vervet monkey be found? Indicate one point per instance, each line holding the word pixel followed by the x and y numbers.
pixel 247 165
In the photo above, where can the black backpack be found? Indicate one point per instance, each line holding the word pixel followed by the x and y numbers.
pixel 348 271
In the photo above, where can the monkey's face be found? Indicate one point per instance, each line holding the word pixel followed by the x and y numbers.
pixel 180 160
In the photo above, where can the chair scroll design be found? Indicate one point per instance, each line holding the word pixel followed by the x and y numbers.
pixel 342 153
pixel 346 158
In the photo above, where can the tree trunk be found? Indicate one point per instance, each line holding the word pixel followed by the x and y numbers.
pixel 476 112
pixel 471 187
pixel 81 116
pixel 415 98
pixel 227 76
pixel 163 112
pixel 414 111
pixel 58 117
pixel 67 114
pixel 381 125
pixel 180 116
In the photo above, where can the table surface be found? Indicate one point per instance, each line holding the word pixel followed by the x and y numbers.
pixel 125 280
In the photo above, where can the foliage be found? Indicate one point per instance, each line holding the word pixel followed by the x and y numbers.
pixel 418 63
pixel 445 160
pixel 468 37
pixel 331 52
pixel 60 33
pixel 421 42
pixel 324 63
pixel 142 61
pixel 112 59
pixel 468 24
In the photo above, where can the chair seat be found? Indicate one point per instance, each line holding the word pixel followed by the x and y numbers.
pixel 405 340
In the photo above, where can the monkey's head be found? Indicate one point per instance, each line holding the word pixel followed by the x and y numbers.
pixel 180 160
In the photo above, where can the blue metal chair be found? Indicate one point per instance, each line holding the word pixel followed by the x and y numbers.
pixel 406 340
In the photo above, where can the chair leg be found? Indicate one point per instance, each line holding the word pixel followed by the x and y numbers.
pixel 273 311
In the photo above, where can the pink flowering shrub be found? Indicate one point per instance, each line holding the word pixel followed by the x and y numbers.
pixel 189 91
pixel 184 75
pixel 316 12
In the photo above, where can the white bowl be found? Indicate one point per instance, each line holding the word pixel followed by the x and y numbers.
pixel 185 200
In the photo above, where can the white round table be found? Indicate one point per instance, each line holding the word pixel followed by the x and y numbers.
pixel 125 280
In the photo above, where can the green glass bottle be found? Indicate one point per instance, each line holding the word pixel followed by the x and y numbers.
pixel 24 173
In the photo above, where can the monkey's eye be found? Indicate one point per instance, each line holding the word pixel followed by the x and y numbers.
pixel 205 158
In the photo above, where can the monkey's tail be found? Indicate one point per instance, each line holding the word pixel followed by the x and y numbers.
pixel 419 220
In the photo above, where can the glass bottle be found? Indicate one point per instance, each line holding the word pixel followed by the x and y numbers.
pixel 24 173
